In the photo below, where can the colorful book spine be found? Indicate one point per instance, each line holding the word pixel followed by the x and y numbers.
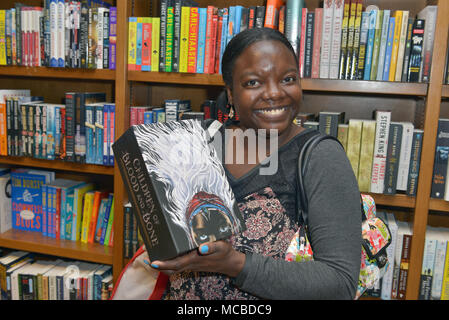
pixel 344 39
pixel 146 44
pixel 302 41
pixel 156 23
pixel 317 34
pixel 169 38
pixel 176 33
pixel 184 45
pixel 395 49
pixel 362 47
pixel 112 37
pixel 293 22
pixel 99 133
pixel 132 43
pixel 440 164
pixel 416 51
pixel 106 132
pixel 193 40
pixel 370 44
pixel 111 137
pixel 162 34
pixel 376 44
pixel 383 119
pixel 201 39
pixel 383 44
pixel 402 44
pixel 223 35
pixel 388 49
pixel 87 215
pixel 139 33
pixel 408 46
pixel 393 154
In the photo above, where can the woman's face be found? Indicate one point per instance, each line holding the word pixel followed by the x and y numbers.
pixel 266 90
pixel 210 225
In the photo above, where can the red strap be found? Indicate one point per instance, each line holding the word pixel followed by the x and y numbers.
pixel 160 286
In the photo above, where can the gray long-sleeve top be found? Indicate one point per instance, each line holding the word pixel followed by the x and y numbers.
pixel 334 230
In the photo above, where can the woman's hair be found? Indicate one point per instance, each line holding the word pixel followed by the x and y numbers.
pixel 242 41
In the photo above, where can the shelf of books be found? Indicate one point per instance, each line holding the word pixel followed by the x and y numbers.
pixel 36 242
pixel 63 73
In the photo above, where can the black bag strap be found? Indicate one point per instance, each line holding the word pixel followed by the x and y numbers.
pixel 303 161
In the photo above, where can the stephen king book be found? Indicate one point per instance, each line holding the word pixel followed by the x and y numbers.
pixel 177 187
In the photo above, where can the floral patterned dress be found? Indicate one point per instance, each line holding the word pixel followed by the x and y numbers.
pixel 271 221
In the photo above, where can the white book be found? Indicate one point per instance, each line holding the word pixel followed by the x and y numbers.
pixel 15 293
pixel 383 119
pixel 383 45
pixel 99 51
pixel 438 269
pixel 387 280
pixel 427 268
pixel 402 43
pixel 53 39
pixel 334 63
pixel 429 14
pixel 60 33
pixel 326 38
pixel 13 269
pixel 52 274
pixel 404 156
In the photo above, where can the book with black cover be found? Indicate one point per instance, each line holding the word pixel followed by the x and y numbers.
pixel 177 187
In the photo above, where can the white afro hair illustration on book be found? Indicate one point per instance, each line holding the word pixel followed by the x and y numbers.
pixel 200 199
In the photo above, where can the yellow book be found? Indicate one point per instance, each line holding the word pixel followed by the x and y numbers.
pixel 184 43
pixel 445 286
pixel 155 40
pixel 366 155
pixel 395 48
pixel 132 43
pixel 2 37
pixel 78 210
pixel 353 148
pixel 342 134
pixel 401 49
pixel 87 215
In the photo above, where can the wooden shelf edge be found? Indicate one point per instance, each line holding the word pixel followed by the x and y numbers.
pixel 58 165
pixel 347 86
pixel 439 205
pixel 36 242
pixel 398 200
pixel 445 91
pixel 67 73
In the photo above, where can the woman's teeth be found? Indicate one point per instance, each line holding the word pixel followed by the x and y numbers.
pixel 272 111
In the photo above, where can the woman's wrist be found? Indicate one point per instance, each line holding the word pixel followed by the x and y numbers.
pixel 236 264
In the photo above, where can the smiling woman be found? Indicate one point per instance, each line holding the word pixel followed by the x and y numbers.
pixel 263 94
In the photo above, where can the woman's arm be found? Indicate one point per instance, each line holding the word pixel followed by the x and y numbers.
pixel 335 235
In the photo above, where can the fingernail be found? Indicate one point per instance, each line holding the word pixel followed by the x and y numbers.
pixel 204 249
pixel 154 266
pixel 147 262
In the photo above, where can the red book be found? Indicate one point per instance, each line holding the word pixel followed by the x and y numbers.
pixel 213 41
pixel 193 40
pixel 218 44
pixel 62 144
pixel 146 45
pixel 282 20
pixel 302 42
pixel 36 38
pixel 57 216
pixel 207 49
pixel 272 13
pixel 252 17
pixel 317 43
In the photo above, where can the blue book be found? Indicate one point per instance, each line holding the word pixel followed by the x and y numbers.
pixel 238 19
pixel 148 117
pixel 50 132
pixel 100 274
pixel 370 44
pixel 383 44
pixel 99 225
pixel 44 211
pixel 99 132
pixel 139 45
pixel 201 40
pixel 106 134
pixel 90 131
pixel 68 216
pixel 26 198
pixel 67 187
pixel 231 24
pixel 223 32
pixel 388 49
pixel 107 213
pixel 57 135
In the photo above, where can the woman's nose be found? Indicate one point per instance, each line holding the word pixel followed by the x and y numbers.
pixel 273 91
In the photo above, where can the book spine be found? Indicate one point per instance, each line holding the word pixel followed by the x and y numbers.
pixel 415 158
pixel 393 153
pixel 383 44
pixel 336 39
pixel 163 32
pixel 132 43
pixel 31 128
pixel 201 39
pixel 260 16
pixel 99 134
pixel 169 39
pixel 309 45
pixel 111 137
pixel 439 176
pixel 429 14
pixel 389 48
pixel 344 39
pixel 223 36
pixel 176 33
pixel 90 131
pixel 184 45
pixel 383 119
pixel 425 285
pixel 395 48
pixel 408 46
pixel 362 47
pixel 370 44
pixel 112 37
pixel 302 41
pixel 401 48
pixel 146 44
pixel 293 23
pixel 105 40
pixel 209 35
pixel 326 38
pixel 60 32
pixel 84 35
pixel 416 50
pixel 403 270
pixel 44 211
pixel 366 155
pixel 376 45
pixel 155 41
pixel 353 144
pixel 139 31
pixel 404 158
pixel 193 40
pixel 440 256
pixel 317 43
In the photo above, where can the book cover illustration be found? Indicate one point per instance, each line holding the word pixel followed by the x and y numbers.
pixel 180 195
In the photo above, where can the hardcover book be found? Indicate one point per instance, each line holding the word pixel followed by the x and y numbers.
pixel 180 195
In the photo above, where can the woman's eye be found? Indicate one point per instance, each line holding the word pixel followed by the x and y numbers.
pixel 203 237
pixel 289 79
pixel 252 83
pixel 224 229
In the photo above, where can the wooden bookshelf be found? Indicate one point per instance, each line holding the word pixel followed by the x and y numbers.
pixel 445 91
pixel 398 200
pixel 62 73
pixel 36 242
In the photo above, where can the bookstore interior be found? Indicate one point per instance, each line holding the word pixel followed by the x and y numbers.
pixel 75 75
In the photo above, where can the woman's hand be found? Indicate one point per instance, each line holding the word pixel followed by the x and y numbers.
pixel 218 256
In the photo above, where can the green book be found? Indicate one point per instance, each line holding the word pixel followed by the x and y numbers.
pixel 110 223
pixel 376 47
pixel 169 39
